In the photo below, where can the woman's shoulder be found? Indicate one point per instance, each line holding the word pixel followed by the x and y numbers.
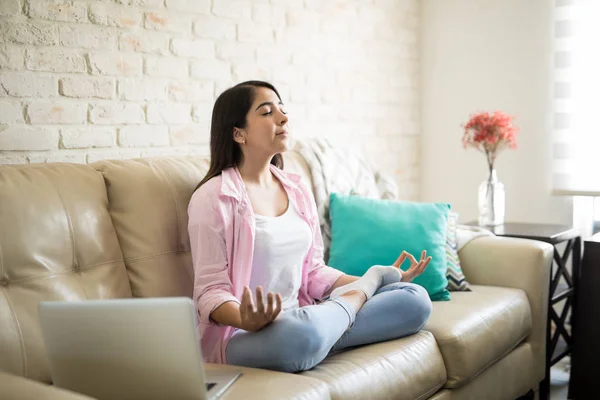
pixel 208 193
pixel 212 186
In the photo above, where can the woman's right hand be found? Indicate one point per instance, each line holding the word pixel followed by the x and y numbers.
pixel 255 318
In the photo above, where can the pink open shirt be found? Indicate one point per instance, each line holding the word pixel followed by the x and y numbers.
pixel 221 227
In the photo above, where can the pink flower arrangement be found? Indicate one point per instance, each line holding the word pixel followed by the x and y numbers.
pixel 490 133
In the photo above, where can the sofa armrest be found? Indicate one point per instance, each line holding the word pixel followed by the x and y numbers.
pixel 515 263
pixel 18 387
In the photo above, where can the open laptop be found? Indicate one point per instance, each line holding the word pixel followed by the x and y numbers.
pixel 129 349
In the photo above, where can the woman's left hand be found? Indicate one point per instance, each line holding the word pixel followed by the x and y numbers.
pixel 416 267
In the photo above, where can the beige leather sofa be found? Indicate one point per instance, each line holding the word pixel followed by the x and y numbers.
pixel 118 229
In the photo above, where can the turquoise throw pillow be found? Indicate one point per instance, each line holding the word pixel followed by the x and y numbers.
pixel 367 232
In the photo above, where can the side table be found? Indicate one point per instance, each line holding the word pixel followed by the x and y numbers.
pixel 559 344
pixel 586 328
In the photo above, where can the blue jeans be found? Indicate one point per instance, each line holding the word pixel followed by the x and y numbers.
pixel 301 338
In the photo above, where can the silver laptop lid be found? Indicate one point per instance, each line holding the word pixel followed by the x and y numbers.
pixel 125 348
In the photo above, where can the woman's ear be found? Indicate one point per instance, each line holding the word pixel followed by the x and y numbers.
pixel 239 135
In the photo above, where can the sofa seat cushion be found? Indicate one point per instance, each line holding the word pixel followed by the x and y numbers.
pixel 407 368
pixel 475 329
pixel 17 387
pixel 262 384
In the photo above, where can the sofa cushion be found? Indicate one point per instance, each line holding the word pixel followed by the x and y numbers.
pixel 148 205
pixel 509 378
pixel 262 384
pixel 16 387
pixel 57 242
pixel 475 329
pixel 407 368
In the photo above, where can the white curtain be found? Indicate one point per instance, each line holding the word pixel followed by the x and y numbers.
pixel 576 141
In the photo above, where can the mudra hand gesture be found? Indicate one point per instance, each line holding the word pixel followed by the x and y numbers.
pixel 255 318
pixel 416 267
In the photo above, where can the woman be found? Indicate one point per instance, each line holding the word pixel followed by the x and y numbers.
pixel 254 230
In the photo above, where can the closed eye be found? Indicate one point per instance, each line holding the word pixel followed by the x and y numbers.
pixel 271 112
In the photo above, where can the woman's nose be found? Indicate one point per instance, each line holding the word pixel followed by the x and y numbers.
pixel 284 119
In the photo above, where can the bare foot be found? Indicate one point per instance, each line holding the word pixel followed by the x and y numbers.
pixel 356 298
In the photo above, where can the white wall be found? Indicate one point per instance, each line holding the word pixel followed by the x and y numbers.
pixel 87 80
pixel 480 56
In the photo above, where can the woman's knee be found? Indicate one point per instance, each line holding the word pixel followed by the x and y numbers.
pixel 302 346
pixel 291 346
pixel 302 336
pixel 422 306
pixel 412 301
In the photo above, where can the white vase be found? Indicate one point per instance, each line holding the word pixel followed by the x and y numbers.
pixel 491 200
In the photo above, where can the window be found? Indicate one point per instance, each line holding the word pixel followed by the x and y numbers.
pixel 596 223
pixel 576 166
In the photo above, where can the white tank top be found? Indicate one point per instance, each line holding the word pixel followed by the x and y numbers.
pixel 280 246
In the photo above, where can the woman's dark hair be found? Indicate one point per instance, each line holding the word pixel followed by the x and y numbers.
pixel 230 112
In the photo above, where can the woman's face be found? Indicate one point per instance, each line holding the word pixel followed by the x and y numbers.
pixel 266 125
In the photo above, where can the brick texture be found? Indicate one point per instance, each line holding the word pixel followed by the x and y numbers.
pixel 167 67
pixel 56 112
pixel 12 57
pixel 138 89
pixel 12 112
pixel 84 87
pixel 69 11
pixel 22 137
pixel 104 13
pixel 190 6
pixel 169 113
pixel 170 22
pixel 85 80
pixel 116 113
pixel 87 137
pixel 32 32
pixel 87 37
pixel 145 42
pixel 10 7
pixel 55 60
pixel 144 136
pixel 115 64
pixel 27 84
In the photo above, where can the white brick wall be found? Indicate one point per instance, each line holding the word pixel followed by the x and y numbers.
pixel 87 37
pixel 143 136
pixel 116 113
pixel 84 87
pixel 28 84
pixel 54 60
pixel 56 112
pixel 10 7
pixel 85 80
pixel 87 137
pixel 58 10
pixel 12 112
pixel 106 14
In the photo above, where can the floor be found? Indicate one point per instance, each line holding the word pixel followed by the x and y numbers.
pixel 559 380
